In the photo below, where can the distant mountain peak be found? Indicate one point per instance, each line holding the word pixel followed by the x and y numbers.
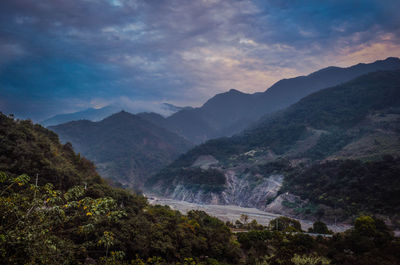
pixel 394 59
pixel 123 112
pixel 121 115
pixel 92 114
pixel 388 62
pixel 232 90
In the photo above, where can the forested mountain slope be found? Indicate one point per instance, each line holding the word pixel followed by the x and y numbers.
pixel 356 120
pixel 27 148
pixel 123 146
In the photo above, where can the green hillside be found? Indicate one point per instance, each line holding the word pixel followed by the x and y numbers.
pixel 356 120
pixel 73 217
pixel 27 148
pixel 124 147
pixel 350 187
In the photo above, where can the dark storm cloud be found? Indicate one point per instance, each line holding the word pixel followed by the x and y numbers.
pixel 68 55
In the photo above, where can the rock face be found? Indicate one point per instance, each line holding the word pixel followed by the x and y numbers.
pixel 253 191
pixel 205 161
pixel 239 190
pixel 242 192
pixel 278 204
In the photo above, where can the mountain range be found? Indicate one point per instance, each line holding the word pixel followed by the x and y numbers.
pixel 124 147
pixel 56 209
pixel 135 147
pixel 231 112
pixel 91 114
pixel 97 114
pixel 355 124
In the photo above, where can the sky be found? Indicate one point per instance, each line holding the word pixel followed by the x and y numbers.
pixel 60 56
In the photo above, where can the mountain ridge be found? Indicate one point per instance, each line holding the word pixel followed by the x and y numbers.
pixel 124 146
pixel 91 114
pixel 231 112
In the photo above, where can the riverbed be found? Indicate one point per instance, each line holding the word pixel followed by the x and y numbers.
pixel 231 212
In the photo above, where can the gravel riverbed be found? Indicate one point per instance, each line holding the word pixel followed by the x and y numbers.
pixel 231 212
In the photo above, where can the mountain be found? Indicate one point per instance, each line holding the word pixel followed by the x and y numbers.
pixel 358 120
pixel 27 148
pixel 231 112
pixel 56 209
pixel 123 146
pixel 88 114
pixel 228 113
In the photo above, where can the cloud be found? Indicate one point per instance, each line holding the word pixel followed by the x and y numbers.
pixel 66 55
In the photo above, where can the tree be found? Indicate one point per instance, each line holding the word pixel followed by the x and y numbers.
pixel 244 218
pixel 365 226
pixel 310 260
pixel 44 225
pixel 319 228
pixel 283 223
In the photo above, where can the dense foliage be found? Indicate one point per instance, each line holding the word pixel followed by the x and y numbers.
pixel 370 242
pixel 319 228
pixel 78 217
pixel 333 110
pixel 26 148
pixel 285 224
pixel 41 225
pixel 274 167
pixel 351 186
pixel 82 220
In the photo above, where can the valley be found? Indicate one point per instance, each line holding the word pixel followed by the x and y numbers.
pixel 332 155
pixel 210 132
pixel 259 197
